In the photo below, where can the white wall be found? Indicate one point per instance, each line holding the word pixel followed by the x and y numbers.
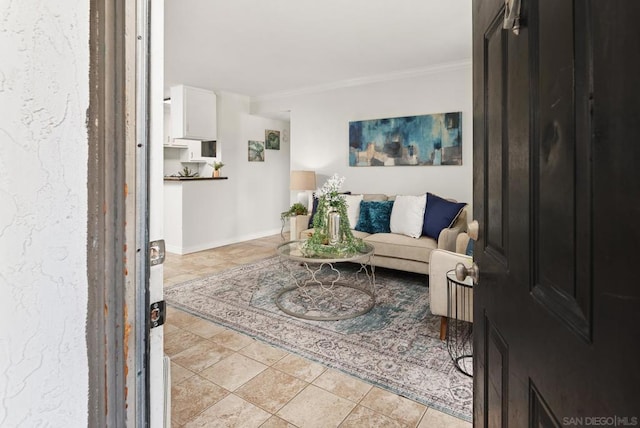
pixel 43 213
pixel 258 191
pixel 249 203
pixel 320 131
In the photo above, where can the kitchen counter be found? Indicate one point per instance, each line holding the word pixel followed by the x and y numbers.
pixel 193 178
pixel 197 213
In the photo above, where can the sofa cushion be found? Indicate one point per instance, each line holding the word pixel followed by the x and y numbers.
pixel 374 197
pixel 375 216
pixel 359 234
pixel 439 214
pixel 402 246
pixel 407 215
pixel 353 209
pixel 306 234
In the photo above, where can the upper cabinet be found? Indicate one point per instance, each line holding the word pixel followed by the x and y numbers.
pixel 193 113
pixel 167 140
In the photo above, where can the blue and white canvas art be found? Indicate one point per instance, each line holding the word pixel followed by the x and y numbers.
pixel 430 139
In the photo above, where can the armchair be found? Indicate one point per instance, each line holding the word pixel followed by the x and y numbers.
pixel 442 261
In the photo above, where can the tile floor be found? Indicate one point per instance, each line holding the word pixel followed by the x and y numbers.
pixel 221 378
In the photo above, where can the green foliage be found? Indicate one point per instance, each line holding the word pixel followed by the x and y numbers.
pixel 187 172
pixel 216 165
pixel 318 244
pixel 294 210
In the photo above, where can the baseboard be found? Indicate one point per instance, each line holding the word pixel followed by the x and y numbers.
pixel 220 243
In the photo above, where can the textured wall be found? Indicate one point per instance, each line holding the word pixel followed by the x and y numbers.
pixel 44 63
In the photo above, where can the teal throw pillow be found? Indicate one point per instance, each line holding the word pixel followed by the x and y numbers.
pixel 375 216
pixel 469 250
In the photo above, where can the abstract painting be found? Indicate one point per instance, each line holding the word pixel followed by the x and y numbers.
pixel 272 138
pixel 256 151
pixel 430 139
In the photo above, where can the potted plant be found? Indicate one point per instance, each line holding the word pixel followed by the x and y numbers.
pixel 187 172
pixel 293 211
pixel 216 168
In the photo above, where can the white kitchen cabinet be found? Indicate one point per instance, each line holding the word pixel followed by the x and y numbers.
pixel 193 113
pixel 167 138
pixel 176 145
pixel 193 153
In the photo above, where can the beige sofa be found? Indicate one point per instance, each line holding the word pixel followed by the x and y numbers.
pixel 397 251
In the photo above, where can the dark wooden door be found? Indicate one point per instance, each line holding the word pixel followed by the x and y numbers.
pixel 557 195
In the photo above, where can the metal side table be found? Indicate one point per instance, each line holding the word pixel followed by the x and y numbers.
pixel 460 325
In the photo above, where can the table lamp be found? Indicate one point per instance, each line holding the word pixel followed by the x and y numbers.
pixel 304 181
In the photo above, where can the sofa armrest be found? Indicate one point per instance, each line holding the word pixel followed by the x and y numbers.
pixel 297 224
pixel 440 262
pixel 462 241
pixel 447 238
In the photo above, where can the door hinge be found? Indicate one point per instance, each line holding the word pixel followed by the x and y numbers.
pixel 512 16
pixel 156 252
pixel 156 314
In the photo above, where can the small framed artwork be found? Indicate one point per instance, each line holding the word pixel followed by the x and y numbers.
pixel 256 151
pixel 272 138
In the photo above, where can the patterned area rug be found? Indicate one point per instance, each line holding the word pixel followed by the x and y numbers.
pixel 395 346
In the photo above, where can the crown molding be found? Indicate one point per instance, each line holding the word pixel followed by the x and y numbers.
pixel 398 75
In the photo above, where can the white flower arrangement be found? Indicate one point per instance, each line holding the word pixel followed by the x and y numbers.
pixel 329 193
pixel 330 199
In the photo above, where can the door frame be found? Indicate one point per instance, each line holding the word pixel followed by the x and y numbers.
pixel 117 227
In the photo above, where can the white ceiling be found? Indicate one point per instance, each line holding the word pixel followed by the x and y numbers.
pixel 267 47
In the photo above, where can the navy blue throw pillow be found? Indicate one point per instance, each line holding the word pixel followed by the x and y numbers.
pixel 375 216
pixel 313 210
pixel 439 214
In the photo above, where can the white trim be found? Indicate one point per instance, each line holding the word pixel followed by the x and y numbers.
pixel 397 75
pixel 214 244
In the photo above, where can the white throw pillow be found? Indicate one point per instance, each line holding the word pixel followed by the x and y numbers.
pixel 407 215
pixel 353 209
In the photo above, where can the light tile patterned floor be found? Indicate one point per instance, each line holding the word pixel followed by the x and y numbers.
pixel 221 378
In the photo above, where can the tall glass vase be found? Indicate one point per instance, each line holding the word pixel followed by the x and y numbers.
pixel 333 225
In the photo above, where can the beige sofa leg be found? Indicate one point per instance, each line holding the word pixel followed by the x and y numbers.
pixel 443 327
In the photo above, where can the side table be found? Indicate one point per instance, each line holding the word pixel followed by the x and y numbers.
pixel 459 331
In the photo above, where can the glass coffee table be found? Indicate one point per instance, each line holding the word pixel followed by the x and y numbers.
pixel 327 288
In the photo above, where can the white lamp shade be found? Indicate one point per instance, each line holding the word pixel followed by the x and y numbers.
pixel 303 180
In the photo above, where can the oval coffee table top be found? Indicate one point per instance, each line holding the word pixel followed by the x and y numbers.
pixel 293 250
